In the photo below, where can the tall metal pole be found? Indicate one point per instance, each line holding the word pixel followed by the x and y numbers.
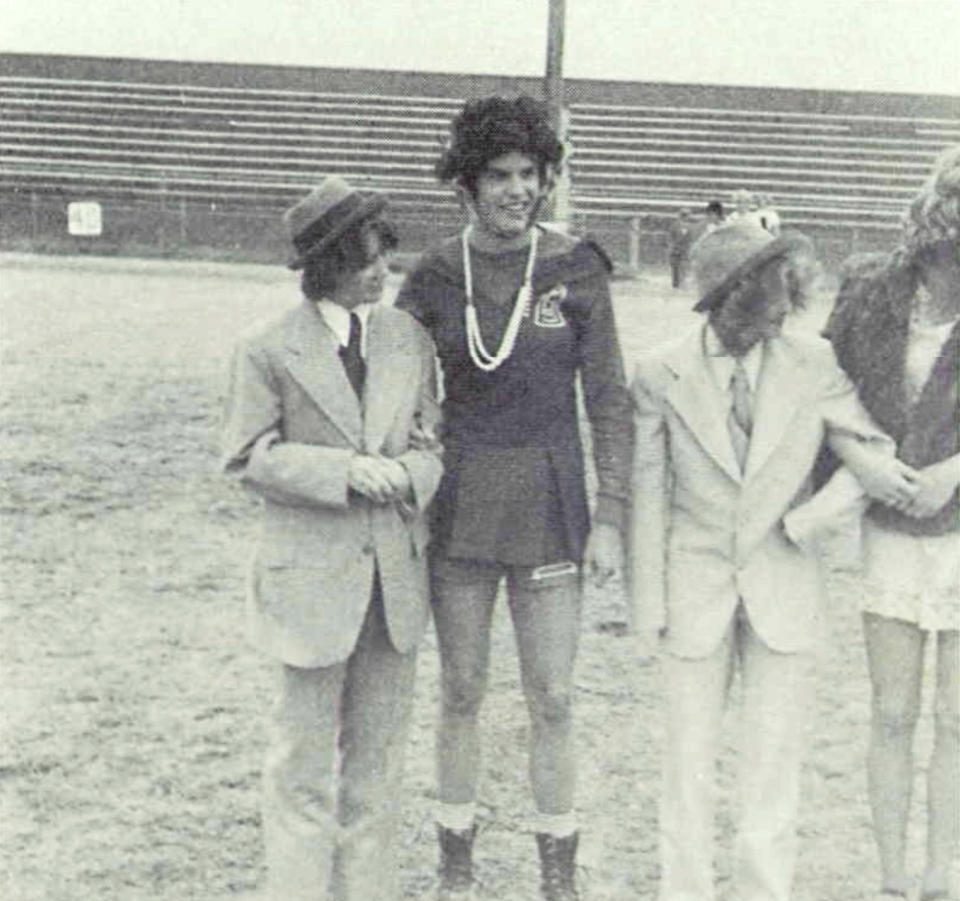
pixel 553 95
pixel 553 79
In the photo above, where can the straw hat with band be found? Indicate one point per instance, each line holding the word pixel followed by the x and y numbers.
pixel 315 222
pixel 733 252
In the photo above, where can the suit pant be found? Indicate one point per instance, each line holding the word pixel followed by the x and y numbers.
pixel 776 694
pixel 333 772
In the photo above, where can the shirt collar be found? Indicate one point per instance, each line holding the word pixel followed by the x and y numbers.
pixel 722 363
pixel 338 319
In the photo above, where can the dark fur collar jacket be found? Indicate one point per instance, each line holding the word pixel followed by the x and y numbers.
pixel 869 329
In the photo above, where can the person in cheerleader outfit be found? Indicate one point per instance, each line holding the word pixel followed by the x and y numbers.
pixel 517 312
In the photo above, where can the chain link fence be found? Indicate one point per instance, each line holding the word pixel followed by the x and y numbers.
pixel 244 231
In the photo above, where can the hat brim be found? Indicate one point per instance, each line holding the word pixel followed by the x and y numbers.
pixel 786 243
pixel 370 206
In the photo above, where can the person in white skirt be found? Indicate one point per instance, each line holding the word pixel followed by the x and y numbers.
pixel 896 333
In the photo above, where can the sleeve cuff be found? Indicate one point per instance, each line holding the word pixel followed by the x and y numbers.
pixel 611 510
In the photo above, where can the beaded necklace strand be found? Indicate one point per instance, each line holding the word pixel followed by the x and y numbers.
pixel 482 358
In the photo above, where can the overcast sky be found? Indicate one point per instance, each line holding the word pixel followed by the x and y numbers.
pixel 885 45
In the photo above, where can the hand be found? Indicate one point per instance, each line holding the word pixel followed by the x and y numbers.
pixel 368 476
pixel 603 557
pixel 396 473
pixel 887 480
pixel 423 439
pixel 934 486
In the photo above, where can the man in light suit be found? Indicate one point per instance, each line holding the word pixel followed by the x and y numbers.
pixel 729 424
pixel 330 413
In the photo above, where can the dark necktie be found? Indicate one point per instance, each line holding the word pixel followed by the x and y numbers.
pixel 353 362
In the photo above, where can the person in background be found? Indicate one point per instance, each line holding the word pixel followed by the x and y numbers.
pixel 714 214
pixel 518 313
pixel 328 417
pixel 713 217
pixel 767 216
pixel 744 205
pixel 896 331
pixel 729 424
pixel 681 237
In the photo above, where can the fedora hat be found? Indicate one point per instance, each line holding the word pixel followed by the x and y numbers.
pixel 321 217
pixel 735 251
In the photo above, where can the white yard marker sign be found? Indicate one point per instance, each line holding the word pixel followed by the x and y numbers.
pixel 85 218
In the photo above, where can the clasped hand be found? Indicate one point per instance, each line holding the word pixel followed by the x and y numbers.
pixel 379 478
pixel 918 493
pixel 933 486
pixel 888 480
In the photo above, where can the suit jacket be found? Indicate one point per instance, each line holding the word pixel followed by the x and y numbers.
pixel 704 535
pixel 292 424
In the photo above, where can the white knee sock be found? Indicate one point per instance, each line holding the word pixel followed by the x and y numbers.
pixel 456 816
pixel 559 825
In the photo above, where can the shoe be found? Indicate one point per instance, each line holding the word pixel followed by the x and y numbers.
pixel 456 863
pixel 950 891
pixel 558 866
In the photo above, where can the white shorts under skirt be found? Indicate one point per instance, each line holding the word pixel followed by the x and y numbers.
pixel 915 578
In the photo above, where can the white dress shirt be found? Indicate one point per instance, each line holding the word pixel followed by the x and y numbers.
pixel 722 363
pixel 338 318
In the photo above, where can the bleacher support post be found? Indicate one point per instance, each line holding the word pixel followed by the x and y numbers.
pixel 633 244
pixel 34 216
pixel 183 221
pixel 164 213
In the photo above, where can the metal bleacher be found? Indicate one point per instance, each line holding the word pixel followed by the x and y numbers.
pixel 212 144
pixel 258 147
pixel 853 171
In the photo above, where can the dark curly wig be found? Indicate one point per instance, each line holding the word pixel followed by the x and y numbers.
pixel 492 126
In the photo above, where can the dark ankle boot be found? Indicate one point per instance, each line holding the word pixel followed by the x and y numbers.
pixel 557 866
pixel 456 863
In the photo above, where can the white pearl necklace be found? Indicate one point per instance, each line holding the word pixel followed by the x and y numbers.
pixel 482 358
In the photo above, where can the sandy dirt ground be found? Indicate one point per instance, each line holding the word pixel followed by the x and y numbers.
pixel 132 710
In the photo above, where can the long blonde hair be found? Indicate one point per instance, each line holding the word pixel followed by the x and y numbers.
pixel 933 216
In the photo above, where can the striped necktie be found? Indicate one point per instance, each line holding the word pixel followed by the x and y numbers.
pixel 740 420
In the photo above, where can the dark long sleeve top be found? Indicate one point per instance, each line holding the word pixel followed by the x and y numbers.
pixel 514 460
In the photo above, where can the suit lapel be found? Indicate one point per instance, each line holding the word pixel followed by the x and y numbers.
pixel 391 367
pixel 779 399
pixel 314 361
pixel 699 402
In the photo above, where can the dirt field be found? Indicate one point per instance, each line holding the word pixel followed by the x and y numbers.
pixel 132 709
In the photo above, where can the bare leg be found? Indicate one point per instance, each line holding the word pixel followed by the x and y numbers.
pixel 546 620
pixel 895 658
pixel 463 599
pixel 943 777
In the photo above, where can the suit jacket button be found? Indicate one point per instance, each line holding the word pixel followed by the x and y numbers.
pixel 368 548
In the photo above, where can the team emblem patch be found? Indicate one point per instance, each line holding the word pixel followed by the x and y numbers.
pixel 546 311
